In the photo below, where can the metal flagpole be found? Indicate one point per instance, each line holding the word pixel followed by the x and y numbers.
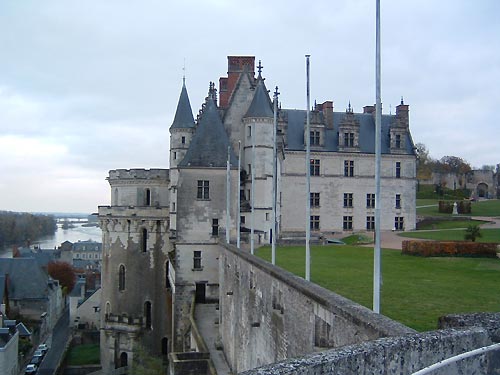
pixel 252 195
pixel 228 195
pixel 238 204
pixel 275 177
pixel 378 122
pixel 308 177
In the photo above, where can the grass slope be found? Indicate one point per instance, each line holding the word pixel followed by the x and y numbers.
pixel 84 355
pixel 415 291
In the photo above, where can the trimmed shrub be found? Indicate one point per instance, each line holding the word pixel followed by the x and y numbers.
pixel 449 249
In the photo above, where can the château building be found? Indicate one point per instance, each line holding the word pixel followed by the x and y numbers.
pixel 164 229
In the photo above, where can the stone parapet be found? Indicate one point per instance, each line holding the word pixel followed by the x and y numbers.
pixel 138 174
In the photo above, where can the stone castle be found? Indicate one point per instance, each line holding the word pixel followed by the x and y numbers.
pixel 164 233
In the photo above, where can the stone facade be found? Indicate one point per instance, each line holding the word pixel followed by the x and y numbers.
pixel 162 233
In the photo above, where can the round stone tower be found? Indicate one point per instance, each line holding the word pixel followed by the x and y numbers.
pixel 136 298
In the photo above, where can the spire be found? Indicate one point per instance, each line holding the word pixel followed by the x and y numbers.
pixel 261 104
pixel 183 115
pixel 402 101
pixel 208 148
pixel 259 68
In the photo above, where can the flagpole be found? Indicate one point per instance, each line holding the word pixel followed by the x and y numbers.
pixel 378 123
pixel 238 204
pixel 228 196
pixel 252 190
pixel 308 177
pixel 275 177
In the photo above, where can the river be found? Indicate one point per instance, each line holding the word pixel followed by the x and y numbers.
pixel 74 234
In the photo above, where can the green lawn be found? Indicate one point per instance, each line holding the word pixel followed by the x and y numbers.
pixel 490 207
pixel 415 291
pixel 449 224
pixel 426 202
pixel 487 235
pixel 83 355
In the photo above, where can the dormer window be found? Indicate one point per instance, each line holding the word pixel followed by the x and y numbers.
pixel 348 139
pixel 183 140
pixel 314 138
pixel 398 141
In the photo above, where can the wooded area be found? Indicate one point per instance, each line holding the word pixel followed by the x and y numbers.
pixel 21 228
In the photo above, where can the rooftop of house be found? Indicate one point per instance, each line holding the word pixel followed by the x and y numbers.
pixel 25 278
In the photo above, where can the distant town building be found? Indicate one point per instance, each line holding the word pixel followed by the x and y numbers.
pixel 9 342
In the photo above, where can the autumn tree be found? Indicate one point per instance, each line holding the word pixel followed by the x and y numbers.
pixel 64 273
pixel 424 162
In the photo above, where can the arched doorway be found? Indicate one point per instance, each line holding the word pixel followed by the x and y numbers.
pixel 164 346
pixel 123 359
pixel 482 190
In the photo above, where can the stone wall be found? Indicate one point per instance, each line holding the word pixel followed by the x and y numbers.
pixel 268 314
pixel 396 355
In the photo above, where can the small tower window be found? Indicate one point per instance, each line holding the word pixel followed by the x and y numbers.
pixel 398 169
pixel 183 140
pixel 147 314
pixel 167 280
pixel 121 278
pixel 215 227
pixel 148 197
pixel 144 240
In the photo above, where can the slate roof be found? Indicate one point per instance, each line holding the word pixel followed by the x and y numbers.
pixel 26 279
pixel 183 115
pixel 208 148
pixel 261 104
pixel 42 256
pixel 23 330
pixel 296 125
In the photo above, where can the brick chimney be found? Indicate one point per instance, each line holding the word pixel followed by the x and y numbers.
pixel 235 66
pixel 327 109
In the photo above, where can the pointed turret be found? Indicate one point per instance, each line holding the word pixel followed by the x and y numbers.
pixel 261 104
pixel 182 128
pixel 184 115
pixel 209 145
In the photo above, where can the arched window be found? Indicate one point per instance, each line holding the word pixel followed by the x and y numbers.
pixel 147 314
pixel 121 277
pixel 148 197
pixel 144 240
pixel 107 310
pixel 123 360
pixel 164 346
pixel 167 280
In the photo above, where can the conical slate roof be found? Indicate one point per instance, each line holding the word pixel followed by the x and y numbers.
pixel 208 148
pixel 184 115
pixel 261 104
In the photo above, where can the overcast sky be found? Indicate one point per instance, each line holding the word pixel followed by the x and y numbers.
pixel 89 86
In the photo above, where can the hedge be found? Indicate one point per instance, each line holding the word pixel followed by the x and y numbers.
pixel 463 207
pixel 450 249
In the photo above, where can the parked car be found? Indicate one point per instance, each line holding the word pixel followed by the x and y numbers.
pixel 38 353
pixel 36 360
pixel 43 347
pixel 30 369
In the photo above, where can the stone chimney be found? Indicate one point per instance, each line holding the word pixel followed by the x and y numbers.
pixel 327 109
pixel 369 109
pixel 402 114
pixel 235 66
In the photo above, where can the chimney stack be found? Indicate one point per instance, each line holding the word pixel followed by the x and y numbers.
pixel 235 66
pixel 327 109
